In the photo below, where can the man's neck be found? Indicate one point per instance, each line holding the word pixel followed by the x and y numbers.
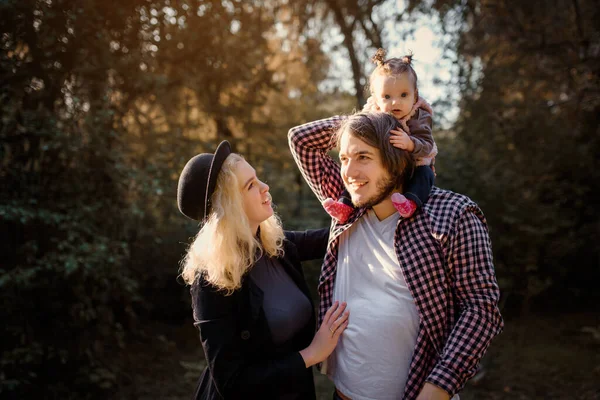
pixel 384 209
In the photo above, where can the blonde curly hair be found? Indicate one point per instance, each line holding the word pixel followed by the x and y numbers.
pixel 225 248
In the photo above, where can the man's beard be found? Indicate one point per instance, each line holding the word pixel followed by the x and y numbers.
pixel 385 187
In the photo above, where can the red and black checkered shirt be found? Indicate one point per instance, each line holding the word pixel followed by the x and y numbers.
pixel 446 258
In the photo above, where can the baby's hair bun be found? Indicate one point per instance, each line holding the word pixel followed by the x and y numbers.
pixel 379 57
pixel 407 59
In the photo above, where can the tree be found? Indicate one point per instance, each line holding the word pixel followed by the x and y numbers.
pixel 527 137
pixel 63 210
pixel 102 105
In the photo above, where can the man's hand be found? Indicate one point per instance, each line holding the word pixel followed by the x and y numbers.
pixel 401 140
pixel 432 392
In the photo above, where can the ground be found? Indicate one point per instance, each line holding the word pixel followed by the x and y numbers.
pixel 538 357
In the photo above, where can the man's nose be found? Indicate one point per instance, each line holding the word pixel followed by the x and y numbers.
pixel 351 169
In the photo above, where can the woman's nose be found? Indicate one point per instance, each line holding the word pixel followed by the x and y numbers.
pixel 265 187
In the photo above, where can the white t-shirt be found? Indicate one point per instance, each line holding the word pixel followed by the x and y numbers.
pixel 373 356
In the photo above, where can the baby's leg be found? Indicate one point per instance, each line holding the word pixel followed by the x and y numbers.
pixel 340 209
pixel 417 190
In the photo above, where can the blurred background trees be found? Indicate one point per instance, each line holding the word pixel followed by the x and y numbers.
pixel 102 103
pixel 527 140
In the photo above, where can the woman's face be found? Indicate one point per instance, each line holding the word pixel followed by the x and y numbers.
pixel 255 195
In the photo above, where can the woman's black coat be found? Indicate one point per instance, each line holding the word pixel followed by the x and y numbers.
pixel 242 359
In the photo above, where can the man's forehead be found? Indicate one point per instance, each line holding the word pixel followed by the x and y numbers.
pixel 350 144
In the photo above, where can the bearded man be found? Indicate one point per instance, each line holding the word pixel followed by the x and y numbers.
pixel 422 290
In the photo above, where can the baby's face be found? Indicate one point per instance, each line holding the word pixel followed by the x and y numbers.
pixel 394 94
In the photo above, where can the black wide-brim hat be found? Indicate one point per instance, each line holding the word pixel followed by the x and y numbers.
pixel 198 180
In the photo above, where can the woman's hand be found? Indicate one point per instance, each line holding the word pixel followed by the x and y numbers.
pixel 401 140
pixel 326 338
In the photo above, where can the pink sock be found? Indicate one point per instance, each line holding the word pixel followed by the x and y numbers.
pixel 337 210
pixel 405 207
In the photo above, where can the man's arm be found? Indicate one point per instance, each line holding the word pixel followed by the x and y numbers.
pixel 476 292
pixel 310 144
pixel 432 392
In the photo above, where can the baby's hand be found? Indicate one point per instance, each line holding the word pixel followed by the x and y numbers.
pixel 401 140
pixel 370 106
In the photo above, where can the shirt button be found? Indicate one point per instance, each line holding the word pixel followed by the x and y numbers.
pixel 245 335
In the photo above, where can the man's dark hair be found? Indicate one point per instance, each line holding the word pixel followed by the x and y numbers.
pixel 374 129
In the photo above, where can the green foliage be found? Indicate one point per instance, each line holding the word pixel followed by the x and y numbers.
pixel 527 140
pixel 102 105
pixel 67 296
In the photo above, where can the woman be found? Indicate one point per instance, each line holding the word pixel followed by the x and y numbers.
pixel 249 298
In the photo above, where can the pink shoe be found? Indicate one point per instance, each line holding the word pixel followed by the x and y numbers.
pixel 406 208
pixel 337 210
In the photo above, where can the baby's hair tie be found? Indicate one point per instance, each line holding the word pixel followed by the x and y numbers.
pixel 379 57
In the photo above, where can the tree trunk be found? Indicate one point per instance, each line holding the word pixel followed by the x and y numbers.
pixel 347 30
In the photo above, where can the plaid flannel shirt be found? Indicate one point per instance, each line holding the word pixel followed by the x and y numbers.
pixel 445 254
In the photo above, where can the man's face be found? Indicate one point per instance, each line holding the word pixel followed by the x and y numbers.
pixel 363 173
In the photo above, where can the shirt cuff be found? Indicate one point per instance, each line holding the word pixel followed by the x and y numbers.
pixel 445 378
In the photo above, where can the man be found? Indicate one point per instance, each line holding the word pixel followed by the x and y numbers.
pixel 422 291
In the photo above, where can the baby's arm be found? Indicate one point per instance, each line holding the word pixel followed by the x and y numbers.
pixel 420 141
pixel 401 140
pixel 420 134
